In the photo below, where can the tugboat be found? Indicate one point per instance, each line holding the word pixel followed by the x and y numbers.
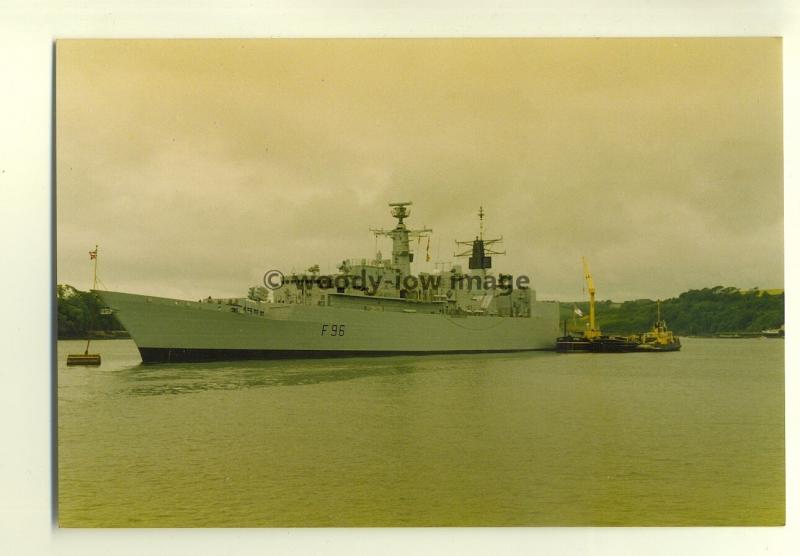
pixel 660 338
pixel 593 340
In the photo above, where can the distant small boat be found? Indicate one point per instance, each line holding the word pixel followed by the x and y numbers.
pixel 774 333
pixel 659 338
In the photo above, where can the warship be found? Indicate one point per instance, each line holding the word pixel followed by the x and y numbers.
pixel 370 307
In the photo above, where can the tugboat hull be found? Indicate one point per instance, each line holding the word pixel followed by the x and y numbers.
pixel 672 346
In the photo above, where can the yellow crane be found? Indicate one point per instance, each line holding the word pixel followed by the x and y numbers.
pixel 593 331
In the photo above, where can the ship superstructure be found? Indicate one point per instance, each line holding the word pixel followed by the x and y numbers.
pixel 375 306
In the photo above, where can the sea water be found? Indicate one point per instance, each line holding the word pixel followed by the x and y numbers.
pixel 688 438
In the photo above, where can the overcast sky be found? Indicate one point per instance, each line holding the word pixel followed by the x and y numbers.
pixel 198 165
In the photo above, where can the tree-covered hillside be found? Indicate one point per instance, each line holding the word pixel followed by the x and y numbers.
pixel 707 311
pixel 79 313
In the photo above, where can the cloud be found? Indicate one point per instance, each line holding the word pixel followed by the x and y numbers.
pixel 198 165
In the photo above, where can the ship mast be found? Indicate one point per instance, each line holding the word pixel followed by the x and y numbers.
pixel 400 235
pixel 478 250
pixel 593 331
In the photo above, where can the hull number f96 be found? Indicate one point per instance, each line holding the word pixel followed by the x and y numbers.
pixel 332 330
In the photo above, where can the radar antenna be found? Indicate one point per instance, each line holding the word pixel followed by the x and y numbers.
pixel 400 211
pixel 479 248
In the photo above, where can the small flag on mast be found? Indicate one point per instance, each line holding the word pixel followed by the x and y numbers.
pixel 428 250
pixel 93 254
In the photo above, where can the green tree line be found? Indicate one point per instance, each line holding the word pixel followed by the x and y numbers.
pixel 706 311
pixel 79 313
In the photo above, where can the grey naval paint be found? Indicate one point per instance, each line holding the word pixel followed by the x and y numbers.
pixel 459 312
pixel 185 326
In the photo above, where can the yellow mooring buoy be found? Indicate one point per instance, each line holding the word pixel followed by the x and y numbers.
pixel 92 359
pixel 85 358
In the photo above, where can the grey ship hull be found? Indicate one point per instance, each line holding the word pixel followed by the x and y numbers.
pixel 171 330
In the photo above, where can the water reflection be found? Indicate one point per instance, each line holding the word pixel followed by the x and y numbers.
pixel 171 378
pixel 494 439
pixel 148 380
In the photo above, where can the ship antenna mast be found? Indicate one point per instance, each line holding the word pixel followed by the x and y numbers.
pixel 479 248
pixel 400 234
